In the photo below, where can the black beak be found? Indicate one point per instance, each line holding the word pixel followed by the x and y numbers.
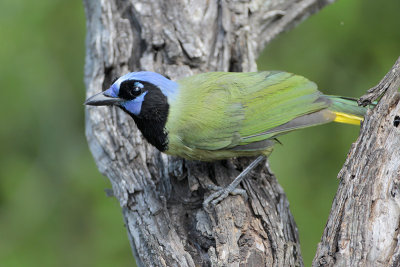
pixel 101 99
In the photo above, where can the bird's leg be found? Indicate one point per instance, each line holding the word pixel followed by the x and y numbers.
pixel 222 193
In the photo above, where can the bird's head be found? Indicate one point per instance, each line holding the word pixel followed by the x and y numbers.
pixel 137 93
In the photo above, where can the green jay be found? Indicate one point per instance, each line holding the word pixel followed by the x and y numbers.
pixel 221 115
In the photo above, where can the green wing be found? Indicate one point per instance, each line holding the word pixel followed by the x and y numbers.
pixel 221 110
pixel 280 103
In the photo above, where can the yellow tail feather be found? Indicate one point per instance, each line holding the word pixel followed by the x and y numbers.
pixel 348 118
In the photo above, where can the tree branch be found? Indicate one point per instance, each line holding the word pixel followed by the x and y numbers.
pixel 377 91
pixel 161 196
pixel 363 227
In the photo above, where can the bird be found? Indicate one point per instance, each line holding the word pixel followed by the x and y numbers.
pixel 220 115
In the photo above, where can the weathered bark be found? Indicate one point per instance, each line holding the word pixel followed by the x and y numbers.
pixel 363 227
pixel 161 196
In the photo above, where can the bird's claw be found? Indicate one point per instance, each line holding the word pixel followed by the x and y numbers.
pixel 221 193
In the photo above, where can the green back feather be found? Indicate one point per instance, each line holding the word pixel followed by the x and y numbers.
pixel 225 111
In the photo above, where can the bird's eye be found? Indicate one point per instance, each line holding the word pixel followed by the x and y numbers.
pixel 130 89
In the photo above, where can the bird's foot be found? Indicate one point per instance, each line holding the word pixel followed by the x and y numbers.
pixel 221 193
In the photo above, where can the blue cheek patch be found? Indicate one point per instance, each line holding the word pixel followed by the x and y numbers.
pixel 134 106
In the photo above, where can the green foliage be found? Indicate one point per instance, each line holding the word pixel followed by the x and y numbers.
pixel 53 211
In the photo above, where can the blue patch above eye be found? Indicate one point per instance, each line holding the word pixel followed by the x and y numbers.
pixel 138 84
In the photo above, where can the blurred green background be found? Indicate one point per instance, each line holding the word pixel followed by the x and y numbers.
pixel 53 209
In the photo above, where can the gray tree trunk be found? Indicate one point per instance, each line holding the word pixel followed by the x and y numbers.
pixel 161 196
pixel 363 227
